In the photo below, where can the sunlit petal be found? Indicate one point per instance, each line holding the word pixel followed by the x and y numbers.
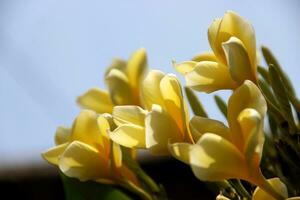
pixel 53 154
pixel 247 95
pixel 136 66
pixel 234 25
pixel 210 76
pixel 86 129
pixel 151 89
pixel 173 99
pixel 97 100
pixel 84 162
pixel 119 87
pixel 181 151
pixel 206 56
pixel 160 128
pixel 201 125
pixel 129 114
pixel 185 67
pixel 251 126
pixel 214 158
pixel 129 135
pixel 238 60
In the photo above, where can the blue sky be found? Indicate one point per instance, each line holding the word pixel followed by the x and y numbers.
pixel 53 50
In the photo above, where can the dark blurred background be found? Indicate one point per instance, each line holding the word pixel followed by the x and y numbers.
pixel 53 50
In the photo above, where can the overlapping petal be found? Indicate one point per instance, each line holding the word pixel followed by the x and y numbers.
pixel 208 76
pixel 260 194
pixel 119 88
pixel 97 100
pixel 151 89
pixel 160 128
pixel 247 95
pixel 84 162
pixel 129 135
pixel 214 158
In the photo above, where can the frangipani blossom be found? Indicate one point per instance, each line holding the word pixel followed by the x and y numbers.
pixel 123 81
pixel 223 152
pixel 232 61
pixel 85 151
pixel 165 117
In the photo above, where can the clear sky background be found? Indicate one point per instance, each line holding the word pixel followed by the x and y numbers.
pixel 53 50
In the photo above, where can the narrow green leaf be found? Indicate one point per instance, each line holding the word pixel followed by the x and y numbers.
pixel 195 103
pixel 282 97
pixel 270 59
pixel 221 105
pixel 77 190
pixel 267 91
pixel 264 73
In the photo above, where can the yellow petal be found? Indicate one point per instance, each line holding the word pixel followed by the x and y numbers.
pixel 209 76
pixel 97 100
pixel 117 63
pixel 234 25
pixel 181 151
pixel 104 126
pixel 83 162
pixel 251 126
pixel 201 125
pixel 213 159
pixel 247 95
pixel 136 66
pixel 129 114
pixel 119 87
pixel 151 89
pixel 174 101
pixel 129 135
pixel 238 60
pixel 62 135
pixel 160 128
pixel 184 67
pixel 206 56
pixel 117 155
pixel 278 186
pixel 214 40
pixel 53 154
pixel 86 129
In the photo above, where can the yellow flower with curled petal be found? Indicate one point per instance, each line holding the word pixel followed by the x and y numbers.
pixel 85 151
pixel 123 80
pixel 223 152
pixel 232 61
pixel 165 117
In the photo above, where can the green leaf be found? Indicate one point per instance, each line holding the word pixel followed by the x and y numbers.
pixel 77 190
pixel 270 59
pixel 264 73
pixel 195 103
pixel 267 92
pixel 221 105
pixel 282 97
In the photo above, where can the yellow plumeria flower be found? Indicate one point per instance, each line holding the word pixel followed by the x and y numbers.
pixel 85 151
pixel 165 117
pixel 123 80
pixel 229 152
pixel 232 61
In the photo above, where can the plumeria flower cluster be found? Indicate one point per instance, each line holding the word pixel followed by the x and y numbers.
pixel 147 110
